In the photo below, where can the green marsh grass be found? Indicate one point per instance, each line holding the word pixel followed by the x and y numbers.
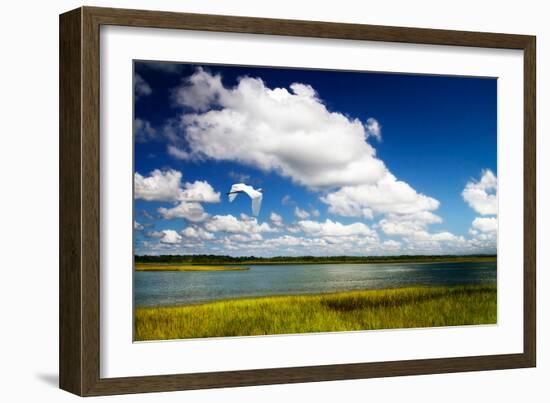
pixel 185 267
pixel 343 311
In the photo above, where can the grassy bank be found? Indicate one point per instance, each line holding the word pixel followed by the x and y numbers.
pixel 343 311
pixel 185 267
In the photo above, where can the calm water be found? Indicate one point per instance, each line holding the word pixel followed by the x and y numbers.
pixel 176 288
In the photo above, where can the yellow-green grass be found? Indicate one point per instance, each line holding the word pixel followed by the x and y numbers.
pixel 185 267
pixel 343 311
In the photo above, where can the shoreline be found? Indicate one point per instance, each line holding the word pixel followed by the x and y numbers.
pixel 390 308
pixel 283 263
pixel 156 267
pixel 315 294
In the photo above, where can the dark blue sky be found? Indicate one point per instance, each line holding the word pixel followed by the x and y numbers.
pixel 438 133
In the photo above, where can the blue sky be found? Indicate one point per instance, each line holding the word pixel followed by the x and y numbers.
pixel 350 162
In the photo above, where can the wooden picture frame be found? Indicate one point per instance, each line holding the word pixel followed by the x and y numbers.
pixel 79 347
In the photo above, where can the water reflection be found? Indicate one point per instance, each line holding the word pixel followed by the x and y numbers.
pixel 174 288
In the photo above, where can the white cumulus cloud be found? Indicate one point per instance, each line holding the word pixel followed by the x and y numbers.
pixel 330 228
pixel 141 87
pixel 485 224
pixel 245 238
pixel 408 224
pixel 301 214
pixel 229 223
pixel 276 219
pixel 158 186
pixel 200 90
pixel 391 245
pixel 374 129
pixel 482 195
pixel 177 152
pixel 388 195
pixel 191 211
pixel 199 191
pixel 414 230
pixel 166 186
pixel 197 233
pixel 170 237
pixel 143 131
pixel 289 131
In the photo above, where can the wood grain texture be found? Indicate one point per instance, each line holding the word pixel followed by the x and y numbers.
pixel 316 29
pixel 70 275
pixel 530 203
pixel 90 202
pixel 80 201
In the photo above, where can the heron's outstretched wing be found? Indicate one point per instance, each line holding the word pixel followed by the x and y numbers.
pixel 235 189
pixel 254 195
pixel 256 204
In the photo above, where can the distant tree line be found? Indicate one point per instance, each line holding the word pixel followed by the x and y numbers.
pixel 224 259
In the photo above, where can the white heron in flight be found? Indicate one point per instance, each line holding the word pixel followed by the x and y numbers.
pixel 254 194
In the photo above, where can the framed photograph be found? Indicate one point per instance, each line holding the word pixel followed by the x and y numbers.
pixel 249 201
